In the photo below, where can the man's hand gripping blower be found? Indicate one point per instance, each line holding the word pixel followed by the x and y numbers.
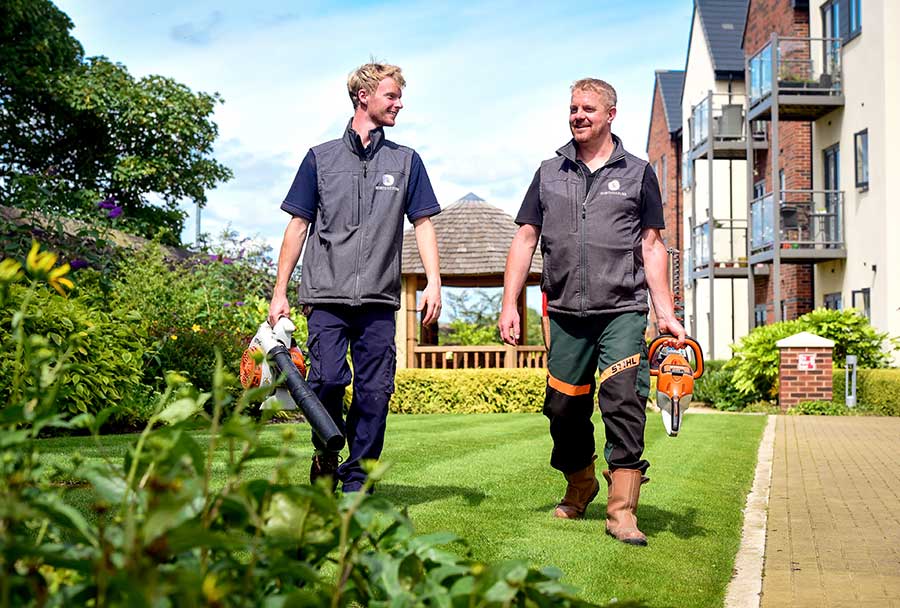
pixel 281 358
pixel 674 378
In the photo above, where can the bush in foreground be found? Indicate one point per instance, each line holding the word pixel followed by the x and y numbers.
pixel 163 535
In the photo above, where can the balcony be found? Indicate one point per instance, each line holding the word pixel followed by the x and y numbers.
pixel 729 239
pixel 811 227
pixel 723 115
pixel 802 74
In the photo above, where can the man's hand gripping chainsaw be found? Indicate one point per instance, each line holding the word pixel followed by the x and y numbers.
pixel 281 359
pixel 674 378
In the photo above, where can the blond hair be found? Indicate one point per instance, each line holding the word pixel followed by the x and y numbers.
pixel 366 78
pixel 601 87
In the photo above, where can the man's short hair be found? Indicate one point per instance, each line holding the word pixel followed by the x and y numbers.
pixel 366 78
pixel 601 87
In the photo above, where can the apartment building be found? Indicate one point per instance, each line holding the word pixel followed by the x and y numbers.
pixel 714 226
pixel 802 89
pixel 855 157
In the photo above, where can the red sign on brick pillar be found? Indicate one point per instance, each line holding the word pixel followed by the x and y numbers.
pixel 804 370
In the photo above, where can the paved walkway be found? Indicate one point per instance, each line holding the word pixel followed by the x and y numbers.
pixel 833 535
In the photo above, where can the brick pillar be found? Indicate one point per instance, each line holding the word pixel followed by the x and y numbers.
pixel 804 369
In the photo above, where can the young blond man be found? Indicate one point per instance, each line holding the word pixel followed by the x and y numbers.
pixel 347 203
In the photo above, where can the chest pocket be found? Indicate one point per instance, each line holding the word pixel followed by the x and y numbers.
pixel 560 206
pixel 389 191
pixel 340 201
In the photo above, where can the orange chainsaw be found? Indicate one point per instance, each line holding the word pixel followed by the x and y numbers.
pixel 674 377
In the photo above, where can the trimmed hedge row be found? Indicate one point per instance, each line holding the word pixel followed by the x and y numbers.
pixel 877 390
pixel 473 391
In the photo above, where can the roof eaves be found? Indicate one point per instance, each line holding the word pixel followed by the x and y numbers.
pixel 652 107
pixel 687 54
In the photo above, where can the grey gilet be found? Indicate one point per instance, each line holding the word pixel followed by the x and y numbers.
pixel 591 242
pixel 354 245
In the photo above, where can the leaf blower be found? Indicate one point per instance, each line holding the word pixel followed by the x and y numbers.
pixel 674 377
pixel 282 358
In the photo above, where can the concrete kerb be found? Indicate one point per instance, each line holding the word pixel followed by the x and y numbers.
pixel 745 587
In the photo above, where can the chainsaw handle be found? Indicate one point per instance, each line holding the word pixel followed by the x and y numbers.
pixel 689 342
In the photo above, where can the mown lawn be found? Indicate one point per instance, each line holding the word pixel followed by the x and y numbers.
pixel 487 478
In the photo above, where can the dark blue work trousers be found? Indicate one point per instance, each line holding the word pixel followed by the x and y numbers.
pixel 369 332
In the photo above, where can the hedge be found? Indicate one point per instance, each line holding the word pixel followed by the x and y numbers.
pixel 473 391
pixel 877 390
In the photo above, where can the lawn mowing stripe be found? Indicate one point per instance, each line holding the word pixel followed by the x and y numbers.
pixel 487 478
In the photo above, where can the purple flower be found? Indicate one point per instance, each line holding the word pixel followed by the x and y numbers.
pixel 228 261
pixel 78 263
pixel 107 203
pixel 213 257
pixel 226 304
pixel 114 212
pixel 241 254
pixel 239 303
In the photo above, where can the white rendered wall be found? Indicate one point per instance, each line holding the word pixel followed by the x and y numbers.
pixel 871 83
pixel 729 200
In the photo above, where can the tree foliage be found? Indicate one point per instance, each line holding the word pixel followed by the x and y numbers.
pixel 75 129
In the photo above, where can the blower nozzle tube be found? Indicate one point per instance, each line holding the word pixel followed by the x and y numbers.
pixel 316 414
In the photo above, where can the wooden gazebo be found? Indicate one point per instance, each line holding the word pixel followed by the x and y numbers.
pixel 473 241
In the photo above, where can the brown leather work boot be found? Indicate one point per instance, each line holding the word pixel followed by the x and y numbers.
pixel 583 487
pixel 621 507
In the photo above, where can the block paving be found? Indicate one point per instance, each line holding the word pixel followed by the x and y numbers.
pixel 833 533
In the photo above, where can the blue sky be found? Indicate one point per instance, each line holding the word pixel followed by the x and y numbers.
pixel 487 82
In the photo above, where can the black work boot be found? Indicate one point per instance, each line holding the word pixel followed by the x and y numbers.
pixel 324 464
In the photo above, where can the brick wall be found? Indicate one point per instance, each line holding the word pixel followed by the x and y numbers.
pixel 662 144
pixel 796 385
pixel 795 140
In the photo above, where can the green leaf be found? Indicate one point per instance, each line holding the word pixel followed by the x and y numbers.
pixel 107 482
pixel 66 516
pixel 179 410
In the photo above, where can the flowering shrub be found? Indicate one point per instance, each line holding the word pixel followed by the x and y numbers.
pixel 191 308
pixel 104 365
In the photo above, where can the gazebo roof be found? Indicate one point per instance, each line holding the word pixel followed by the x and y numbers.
pixel 473 239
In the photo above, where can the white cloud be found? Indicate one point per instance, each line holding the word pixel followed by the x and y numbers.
pixel 487 90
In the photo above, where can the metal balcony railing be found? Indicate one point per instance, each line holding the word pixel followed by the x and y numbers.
pixel 801 66
pixel 727 112
pixel 809 219
pixel 729 242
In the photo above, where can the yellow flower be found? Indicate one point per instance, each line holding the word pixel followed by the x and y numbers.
pixel 195 328
pixel 57 279
pixel 10 271
pixel 39 262
pixel 173 337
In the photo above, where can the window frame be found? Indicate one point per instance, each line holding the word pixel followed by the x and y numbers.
pixel 865 295
pixel 862 185
pixel 833 301
pixel 854 18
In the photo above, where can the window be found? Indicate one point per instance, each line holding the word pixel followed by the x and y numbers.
pixel 833 301
pixel 784 311
pixel 855 17
pixel 759 189
pixel 781 182
pixel 859 299
pixel 861 141
pixel 686 168
pixel 759 315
